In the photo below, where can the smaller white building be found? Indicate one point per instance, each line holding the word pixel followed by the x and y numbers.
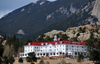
pixel 56 48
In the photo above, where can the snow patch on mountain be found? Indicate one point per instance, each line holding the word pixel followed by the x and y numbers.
pixel 20 32
pixel 42 3
pixel 49 16
pixel 63 10
pixel 28 11
pixel 22 10
pixel 72 9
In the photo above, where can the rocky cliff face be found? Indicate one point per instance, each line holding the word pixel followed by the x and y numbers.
pixel 96 9
pixel 83 31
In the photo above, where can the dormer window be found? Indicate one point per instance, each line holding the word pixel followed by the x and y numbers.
pixel 74 42
pixel 46 43
pixel 60 42
pixel 79 43
pixel 42 43
pixel 29 43
pixel 56 43
pixel 84 43
pixel 69 42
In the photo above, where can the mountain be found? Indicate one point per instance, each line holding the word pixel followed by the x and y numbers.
pixel 82 16
pixel 96 9
pixel 37 16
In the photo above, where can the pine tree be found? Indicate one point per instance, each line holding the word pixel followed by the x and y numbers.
pixel 1 49
pixel 80 58
pixel 20 60
pixel 4 37
pixel 31 57
pixel 5 60
pixel 0 60
pixel 11 59
pixel 41 62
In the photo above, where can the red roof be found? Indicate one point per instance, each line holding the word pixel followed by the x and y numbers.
pixel 55 42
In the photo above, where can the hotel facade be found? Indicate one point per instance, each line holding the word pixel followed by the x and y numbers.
pixel 56 48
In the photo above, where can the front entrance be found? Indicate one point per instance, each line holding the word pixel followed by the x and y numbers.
pixel 47 54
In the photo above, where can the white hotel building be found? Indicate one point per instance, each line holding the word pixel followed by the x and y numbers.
pixel 56 48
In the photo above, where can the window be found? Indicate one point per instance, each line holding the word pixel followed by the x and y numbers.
pixel 66 45
pixel 72 46
pixel 75 53
pixel 46 43
pixel 53 53
pixel 25 54
pixel 84 53
pixel 78 53
pixel 43 53
pixel 50 53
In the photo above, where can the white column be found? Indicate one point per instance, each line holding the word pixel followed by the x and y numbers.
pixel 49 55
pixel 45 54
pixel 39 54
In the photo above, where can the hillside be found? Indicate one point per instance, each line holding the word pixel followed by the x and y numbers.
pixel 82 16
pixel 35 17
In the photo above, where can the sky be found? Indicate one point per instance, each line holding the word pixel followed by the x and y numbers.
pixel 7 6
